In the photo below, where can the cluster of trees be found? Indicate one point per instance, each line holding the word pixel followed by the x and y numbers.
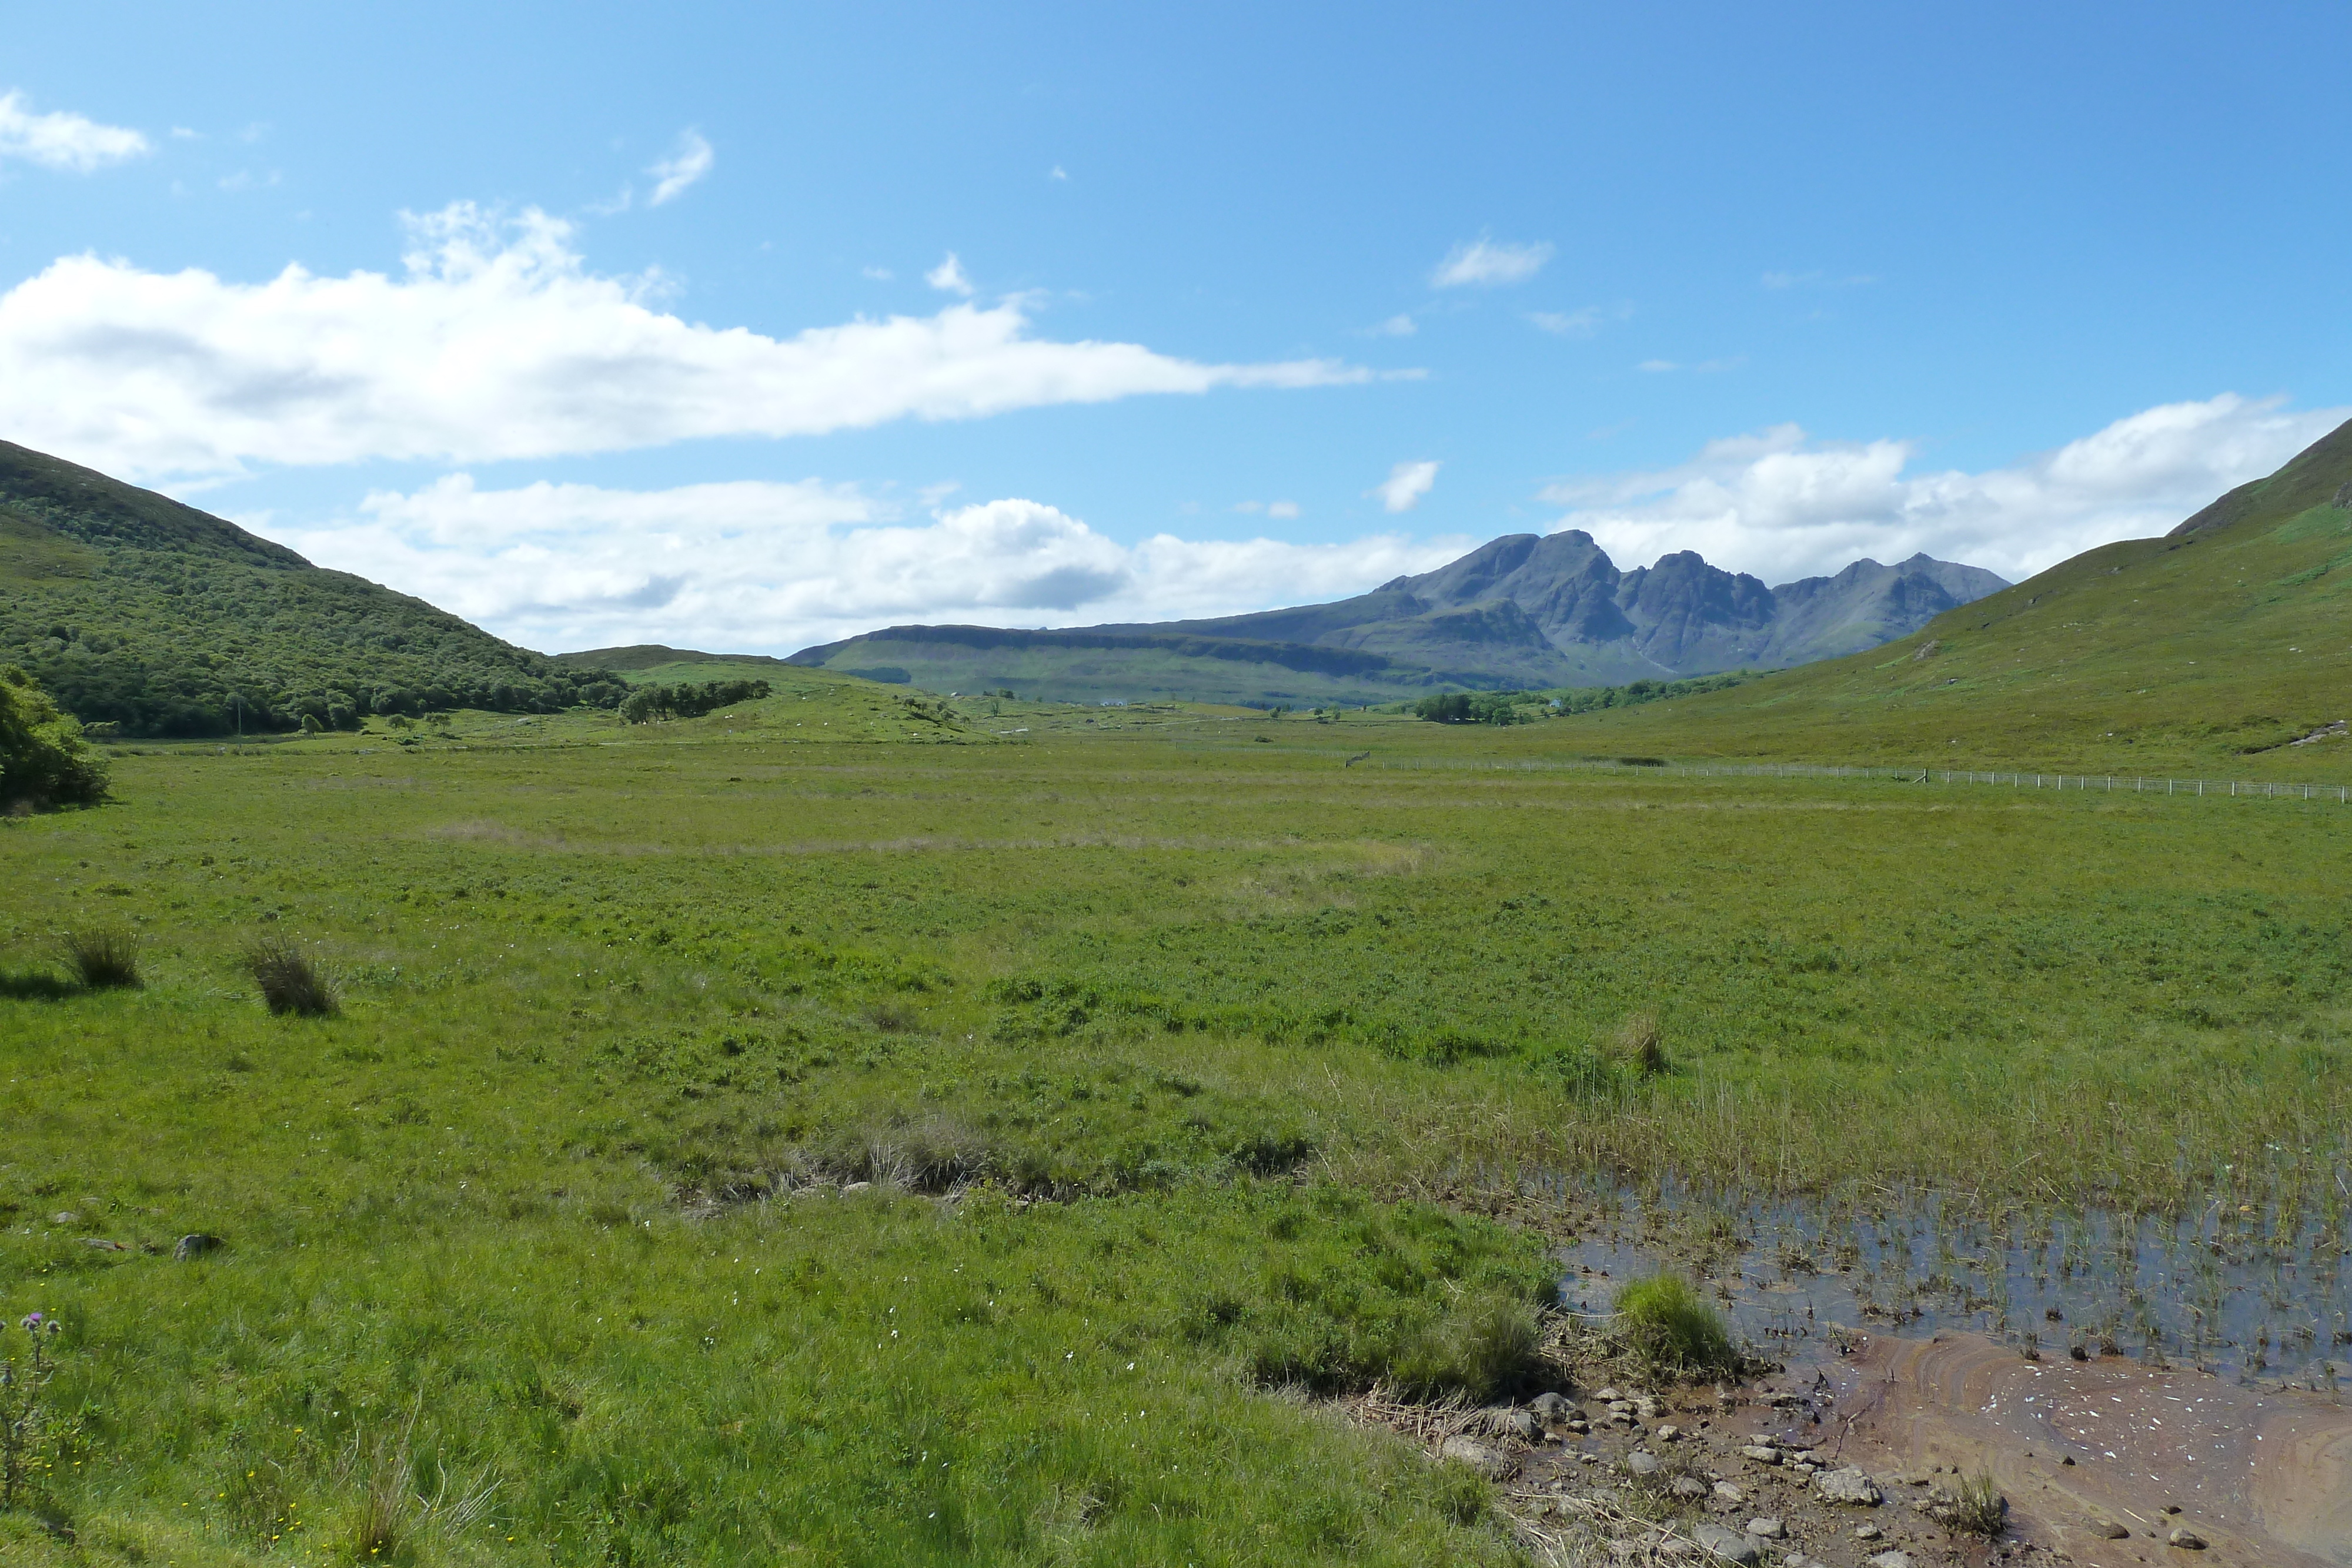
pixel 1471 707
pixel 686 699
pixel 43 761
pixel 1523 707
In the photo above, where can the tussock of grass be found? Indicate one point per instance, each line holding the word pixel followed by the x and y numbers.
pixel 291 980
pixel 1671 1326
pixel 102 959
pixel 1979 1509
pixel 1640 1044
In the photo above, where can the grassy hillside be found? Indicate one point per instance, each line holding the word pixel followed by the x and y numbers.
pixel 136 610
pixel 2210 648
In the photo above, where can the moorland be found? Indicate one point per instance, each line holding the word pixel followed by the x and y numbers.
pixel 846 1128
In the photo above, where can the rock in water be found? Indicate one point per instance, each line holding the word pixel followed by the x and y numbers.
pixel 1851 1486
pixel 196 1245
pixel 1483 1458
pixel 1727 1544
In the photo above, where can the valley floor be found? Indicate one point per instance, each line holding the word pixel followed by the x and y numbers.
pixel 732 1147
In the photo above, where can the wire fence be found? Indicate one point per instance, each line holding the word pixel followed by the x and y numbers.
pixel 2231 789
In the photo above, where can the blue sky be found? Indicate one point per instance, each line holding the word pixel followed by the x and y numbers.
pixel 621 323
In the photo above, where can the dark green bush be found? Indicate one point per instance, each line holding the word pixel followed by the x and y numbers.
pixel 291 980
pixel 43 761
pixel 103 959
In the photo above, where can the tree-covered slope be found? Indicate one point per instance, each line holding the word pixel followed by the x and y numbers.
pixel 2229 638
pixel 136 610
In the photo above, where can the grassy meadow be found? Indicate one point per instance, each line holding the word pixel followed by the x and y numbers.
pixel 1191 1073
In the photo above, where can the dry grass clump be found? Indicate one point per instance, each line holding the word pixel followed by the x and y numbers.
pixel 103 959
pixel 291 980
pixel 1640 1044
pixel 1977 1508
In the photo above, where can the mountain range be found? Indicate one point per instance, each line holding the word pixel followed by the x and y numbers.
pixel 1524 611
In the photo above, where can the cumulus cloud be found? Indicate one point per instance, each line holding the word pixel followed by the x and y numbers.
pixel 58 140
pixel 1407 483
pixel 948 277
pixel 682 168
pixel 496 342
pixel 1484 263
pixel 1782 505
pixel 1398 326
pixel 775 567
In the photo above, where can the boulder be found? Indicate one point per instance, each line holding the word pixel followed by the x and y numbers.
pixel 1551 1410
pixel 2186 1539
pixel 1851 1487
pixel 1765 1529
pixel 1762 1453
pixel 1641 1462
pixel 1502 1422
pixel 1729 1492
pixel 195 1245
pixel 1727 1544
pixel 1483 1458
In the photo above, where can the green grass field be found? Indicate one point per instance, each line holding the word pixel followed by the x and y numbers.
pixel 1188 1069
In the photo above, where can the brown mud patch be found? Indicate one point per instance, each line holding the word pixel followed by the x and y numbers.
pixel 2265 1477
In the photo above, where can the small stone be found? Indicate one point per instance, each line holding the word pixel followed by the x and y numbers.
pixel 196 1245
pixel 1729 1492
pixel 1727 1544
pixel 1761 1454
pixel 1889 1559
pixel 1668 1433
pixel 103 1245
pixel 1552 1409
pixel 1769 1529
pixel 1689 1487
pixel 1588 1458
pixel 1865 1531
pixel 1483 1458
pixel 64 1217
pixel 1605 1395
pixel 2186 1539
pixel 2109 1530
pixel 1507 1423
pixel 1641 1462
pixel 1580 1425
pixel 1851 1487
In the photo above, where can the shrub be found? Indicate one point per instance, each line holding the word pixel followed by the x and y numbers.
pixel 43 761
pixel 291 981
pixel 101 958
pixel 1671 1327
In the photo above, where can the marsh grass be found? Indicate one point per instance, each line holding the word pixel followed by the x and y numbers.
pixel 1673 1330
pixel 101 958
pixel 1640 1044
pixel 1976 1509
pixel 1155 1152
pixel 291 980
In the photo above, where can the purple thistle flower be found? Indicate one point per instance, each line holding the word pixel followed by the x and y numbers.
pixel 32 1324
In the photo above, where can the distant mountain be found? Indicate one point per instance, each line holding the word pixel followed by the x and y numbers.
pixel 2228 637
pixel 137 610
pixel 1523 611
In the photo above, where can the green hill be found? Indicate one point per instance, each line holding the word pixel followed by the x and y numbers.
pixel 2229 638
pixel 137 610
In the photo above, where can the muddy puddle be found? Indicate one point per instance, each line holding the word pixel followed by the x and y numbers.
pixel 2121 1377
pixel 2251 1297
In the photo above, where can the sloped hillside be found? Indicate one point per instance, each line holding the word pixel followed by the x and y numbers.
pixel 138 612
pixel 2222 643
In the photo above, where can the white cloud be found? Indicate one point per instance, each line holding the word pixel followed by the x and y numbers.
pixel 1058 173
pixel 1579 323
pixel 496 342
pixel 879 274
pixel 1407 483
pixel 1398 326
pixel 1815 280
pixel 1657 367
pixel 769 567
pixel 1484 263
pixel 682 168
pixel 62 140
pixel 1783 506
pixel 1284 510
pixel 948 277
